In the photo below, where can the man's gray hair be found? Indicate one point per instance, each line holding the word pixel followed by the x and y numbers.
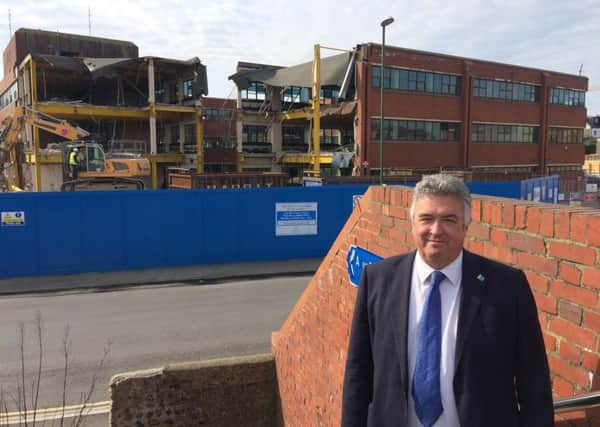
pixel 442 185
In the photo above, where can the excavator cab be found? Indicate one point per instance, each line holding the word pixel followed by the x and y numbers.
pixel 93 158
pixel 90 155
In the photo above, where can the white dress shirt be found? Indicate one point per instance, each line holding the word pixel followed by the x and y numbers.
pixel 450 290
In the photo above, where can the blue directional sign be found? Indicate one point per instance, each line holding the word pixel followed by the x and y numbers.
pixel 357 258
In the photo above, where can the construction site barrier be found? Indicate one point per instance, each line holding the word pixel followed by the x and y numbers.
pixel 79 232
pixel 65 233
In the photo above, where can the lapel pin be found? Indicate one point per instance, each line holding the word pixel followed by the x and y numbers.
pixel 481 278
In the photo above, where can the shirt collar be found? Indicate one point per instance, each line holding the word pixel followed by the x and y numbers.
pixel 452 271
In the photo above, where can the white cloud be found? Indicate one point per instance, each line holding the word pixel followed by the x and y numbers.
pixel 556 35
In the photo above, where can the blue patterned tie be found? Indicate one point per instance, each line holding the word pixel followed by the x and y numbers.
pixel 426 379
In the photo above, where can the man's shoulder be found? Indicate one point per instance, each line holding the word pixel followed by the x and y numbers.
pixel 393 263
pixel 489 264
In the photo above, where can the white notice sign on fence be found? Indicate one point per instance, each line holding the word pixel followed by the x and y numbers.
pixel 296 219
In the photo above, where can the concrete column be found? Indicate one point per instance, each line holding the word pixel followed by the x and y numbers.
pixel 276 144
pixel 275 95
pixel 180 91
pixel 152 104
pixel 167 96
pixel 316 108
pixel 240 128
pixel 199 141
pixel 276 132
pixel 181 136
pixel 276 137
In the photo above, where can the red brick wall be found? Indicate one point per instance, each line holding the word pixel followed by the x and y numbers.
pixel 557 247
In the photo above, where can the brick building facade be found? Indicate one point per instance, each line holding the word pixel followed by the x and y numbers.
pixel 447 112
pixel 220 135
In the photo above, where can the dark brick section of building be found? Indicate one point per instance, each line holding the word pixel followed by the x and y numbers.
pixel 26 41
pixel 220 134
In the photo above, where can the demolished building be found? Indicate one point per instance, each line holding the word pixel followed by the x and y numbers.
pixel 277 116
pixel 145 106
pixel 479 119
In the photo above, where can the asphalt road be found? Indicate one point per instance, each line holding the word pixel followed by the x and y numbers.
pixel 142 327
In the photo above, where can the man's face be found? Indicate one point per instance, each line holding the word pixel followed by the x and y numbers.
pixel 438 229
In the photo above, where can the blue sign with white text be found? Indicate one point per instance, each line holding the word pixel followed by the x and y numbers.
pixel 357 258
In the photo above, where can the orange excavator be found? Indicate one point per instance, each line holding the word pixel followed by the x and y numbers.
pixel 97 171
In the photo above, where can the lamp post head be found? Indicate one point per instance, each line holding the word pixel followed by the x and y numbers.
pixel 387 21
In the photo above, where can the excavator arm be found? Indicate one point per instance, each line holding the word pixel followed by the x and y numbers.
pixel 53 125
pixel 9 137
pixel 24 115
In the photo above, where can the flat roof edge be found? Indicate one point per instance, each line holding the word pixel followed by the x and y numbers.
pixel 484 61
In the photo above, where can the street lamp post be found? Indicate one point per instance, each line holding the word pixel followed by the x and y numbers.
pixel 384 23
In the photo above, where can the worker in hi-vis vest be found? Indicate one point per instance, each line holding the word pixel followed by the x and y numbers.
pixel 74 163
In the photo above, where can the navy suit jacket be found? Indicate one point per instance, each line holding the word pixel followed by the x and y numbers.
pixel 501 370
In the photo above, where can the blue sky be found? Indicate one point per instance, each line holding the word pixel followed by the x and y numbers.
pixel 557 35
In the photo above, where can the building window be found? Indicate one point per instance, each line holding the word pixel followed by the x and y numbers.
pixel 254 92
pixel 218 142
pixel 189 139
pixel 217 114
pixel 330 137
pixel 348 137
pixel 175 134
pixel 293 137
pixel 189 136
pixel 492 133
pixel 508 91
pixel 416 81
pixel 570 97
pixel 255 134
pixel 255 139
pixel 329 94
pixel 376 76
pixel 9 96
pixel 566 136
pixel 415 130
pixel 296 95
pixel 564 168
pixel 174 90
pixel 187 89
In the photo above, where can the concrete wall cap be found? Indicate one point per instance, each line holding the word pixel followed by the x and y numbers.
pixel 125 376
pixel 226 361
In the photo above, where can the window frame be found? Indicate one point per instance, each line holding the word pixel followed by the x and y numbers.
pixel 403 130
pixel 416 81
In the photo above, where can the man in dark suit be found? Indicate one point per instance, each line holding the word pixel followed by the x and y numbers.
pixel 443 337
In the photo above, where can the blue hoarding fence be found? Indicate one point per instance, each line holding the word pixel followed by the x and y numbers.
pixel 79 232
pixel 64 233
pixel 543 189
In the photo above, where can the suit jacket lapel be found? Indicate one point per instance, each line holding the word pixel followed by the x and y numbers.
pixel 472 293
pixel 400 292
